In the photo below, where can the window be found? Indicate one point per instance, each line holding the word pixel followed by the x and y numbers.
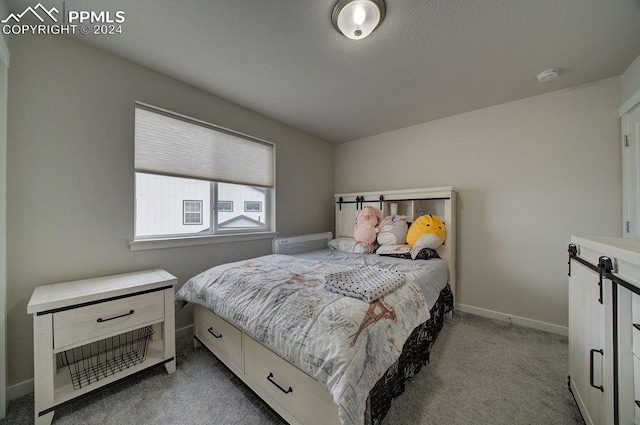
pixel 225 206
pixel 204 168
pixel 252 206
pixel 191 212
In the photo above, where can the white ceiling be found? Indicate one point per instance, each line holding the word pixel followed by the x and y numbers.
pixel 429 58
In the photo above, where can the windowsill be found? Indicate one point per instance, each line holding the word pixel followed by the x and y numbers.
pixel 174 242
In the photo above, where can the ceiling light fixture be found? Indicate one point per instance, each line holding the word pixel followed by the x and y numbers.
pixel 356 19
pixel 547 75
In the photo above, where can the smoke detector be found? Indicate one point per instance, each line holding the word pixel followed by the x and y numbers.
pixel 547 75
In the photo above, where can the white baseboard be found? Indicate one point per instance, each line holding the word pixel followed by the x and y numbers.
pixel 19 390
pixel 517 320
pixel 187 330
pixel 26 387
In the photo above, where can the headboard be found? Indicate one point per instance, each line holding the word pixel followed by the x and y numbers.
pixel 440 201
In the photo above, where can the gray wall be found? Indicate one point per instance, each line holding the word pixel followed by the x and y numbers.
pixel 530 173
pixel 71 180
pixel 631 80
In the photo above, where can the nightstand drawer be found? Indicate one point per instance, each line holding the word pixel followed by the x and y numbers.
pixel 85 324
pixel 223 339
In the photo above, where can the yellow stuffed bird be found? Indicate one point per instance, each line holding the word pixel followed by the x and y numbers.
pixel 427 231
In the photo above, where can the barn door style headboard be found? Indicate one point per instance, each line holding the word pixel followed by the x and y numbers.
pixel 413 203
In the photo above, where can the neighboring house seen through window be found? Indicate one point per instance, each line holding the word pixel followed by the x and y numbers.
pixel 181 164
pixel 191 212
pixel 226 206
pixel 252 206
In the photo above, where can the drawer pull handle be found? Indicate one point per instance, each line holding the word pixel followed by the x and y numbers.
pixel 100 319
pixel 269 378
pixel 210 330
pixel 591 353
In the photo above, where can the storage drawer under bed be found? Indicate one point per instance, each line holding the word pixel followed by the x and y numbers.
pixel 306 399
pixel 223 339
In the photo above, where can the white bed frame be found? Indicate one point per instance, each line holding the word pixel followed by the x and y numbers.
pixel 297 397
pixel 440 201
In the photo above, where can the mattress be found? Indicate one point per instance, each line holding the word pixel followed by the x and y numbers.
pixel 342 342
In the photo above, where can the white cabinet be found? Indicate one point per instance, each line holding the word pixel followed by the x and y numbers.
pixel 92 332
pixel 588 353
pixel 631 173
pixel 604 329
pixel 632 386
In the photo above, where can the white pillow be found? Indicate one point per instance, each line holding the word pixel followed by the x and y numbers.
pixel 350 245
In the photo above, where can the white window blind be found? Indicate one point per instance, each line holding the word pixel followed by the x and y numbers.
pixel 176 146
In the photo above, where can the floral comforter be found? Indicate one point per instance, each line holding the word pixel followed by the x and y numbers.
pixel 343 342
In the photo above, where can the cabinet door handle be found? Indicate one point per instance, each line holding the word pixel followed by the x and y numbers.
pixel 591 353
pixel 210 330
pixel 269 378
pixel 637 326
pixel 100 319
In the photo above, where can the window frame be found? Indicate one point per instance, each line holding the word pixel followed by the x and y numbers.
pixel 200 212
pixel 215 234
pixel 218 206
pixel 214 229
pixel 255 202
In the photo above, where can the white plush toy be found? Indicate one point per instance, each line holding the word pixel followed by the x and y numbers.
pixel 366 227
pixel 393 230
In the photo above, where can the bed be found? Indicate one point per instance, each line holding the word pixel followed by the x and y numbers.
pixel 315 356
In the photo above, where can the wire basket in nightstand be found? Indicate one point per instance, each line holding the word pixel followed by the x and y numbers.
pixel 91 362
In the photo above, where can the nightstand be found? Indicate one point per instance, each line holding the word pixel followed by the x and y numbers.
pixel 90 333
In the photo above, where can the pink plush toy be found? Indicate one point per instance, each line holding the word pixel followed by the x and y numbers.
pixel 366 227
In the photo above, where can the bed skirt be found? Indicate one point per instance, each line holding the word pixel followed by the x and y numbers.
pixel 415 354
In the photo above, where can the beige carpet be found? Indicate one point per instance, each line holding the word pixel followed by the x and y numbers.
pixel 481 372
